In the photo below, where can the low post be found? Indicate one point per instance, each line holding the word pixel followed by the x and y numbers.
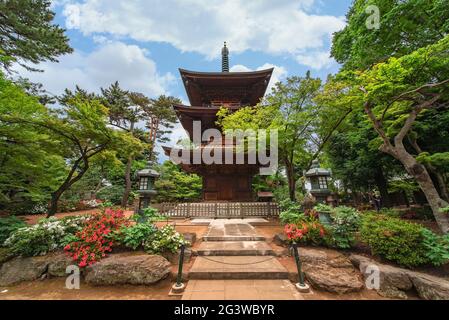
pixel 179 287
pixel 301 285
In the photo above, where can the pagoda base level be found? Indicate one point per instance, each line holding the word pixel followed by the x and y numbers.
pixel 232 188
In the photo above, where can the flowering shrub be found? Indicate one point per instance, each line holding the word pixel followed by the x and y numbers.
pixel 311 232
pixel 165 239
pixel 45 236
pixel 92 242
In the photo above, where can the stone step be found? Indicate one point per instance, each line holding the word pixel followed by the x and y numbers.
pixel 233 238
pixel 235 248
pixel 237 267
pixel 241 290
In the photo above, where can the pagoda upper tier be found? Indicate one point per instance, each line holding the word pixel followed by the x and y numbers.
pixel 228 89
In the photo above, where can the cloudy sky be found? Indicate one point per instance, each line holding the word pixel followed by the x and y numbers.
pixel 142 43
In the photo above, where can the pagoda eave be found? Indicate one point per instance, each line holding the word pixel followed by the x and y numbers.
pixel 205 87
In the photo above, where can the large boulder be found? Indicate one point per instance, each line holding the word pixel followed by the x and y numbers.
pixel 22 269
pixel 430 288
pixel 5 255
pixel 338 280
pixel 394 281
pixel 139 269
pixel 330 271
pixel 58 263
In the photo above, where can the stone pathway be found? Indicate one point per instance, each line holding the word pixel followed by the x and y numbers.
pixel 231 250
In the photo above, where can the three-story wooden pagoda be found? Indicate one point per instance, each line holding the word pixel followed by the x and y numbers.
pixel 207 93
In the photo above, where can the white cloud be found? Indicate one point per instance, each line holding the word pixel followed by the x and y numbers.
pixel 279 72
pixel 316 60
pixel 110 62
pixel 276 27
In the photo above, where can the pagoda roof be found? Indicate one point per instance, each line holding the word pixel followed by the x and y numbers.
pixel 245 87
pixel 207 116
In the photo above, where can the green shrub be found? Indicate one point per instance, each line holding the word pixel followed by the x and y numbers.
pixel 445 210
pixel 437 247
pixel 345 224
pixel 291 212
pixel 394 239
pixel 165 239
pixel 8 225
pixel 149 215
pixel 135 236
pixel 321 207
pixel 390 212
pixel 45 236
pixel 112 194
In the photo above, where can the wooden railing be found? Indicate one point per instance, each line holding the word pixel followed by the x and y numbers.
pixel 218 209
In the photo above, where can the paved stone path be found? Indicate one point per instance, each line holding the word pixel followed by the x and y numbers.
pixel 236 263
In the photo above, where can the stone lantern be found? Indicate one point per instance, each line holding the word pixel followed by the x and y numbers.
pixel 146 179
pixel 319 179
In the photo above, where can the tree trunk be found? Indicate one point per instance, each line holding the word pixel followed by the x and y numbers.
pixel 413 167
pixel 422 177
pixel 291 179
pixel 443 190
pixel 53 208
pixel 442 185
pixel 127 182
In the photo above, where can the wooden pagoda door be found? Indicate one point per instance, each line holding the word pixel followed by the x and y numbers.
pixel 225 188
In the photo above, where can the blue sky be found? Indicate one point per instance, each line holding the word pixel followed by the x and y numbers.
pixel 142 43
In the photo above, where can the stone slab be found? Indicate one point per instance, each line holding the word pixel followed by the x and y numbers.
pixel 237 267
pixel 235 248
pixel 241 290
pixel 233 238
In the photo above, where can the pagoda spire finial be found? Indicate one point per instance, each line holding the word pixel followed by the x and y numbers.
pixel 225 59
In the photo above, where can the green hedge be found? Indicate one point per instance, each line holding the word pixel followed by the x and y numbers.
pixel 394 239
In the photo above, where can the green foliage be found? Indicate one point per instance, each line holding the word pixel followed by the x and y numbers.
pixel 166 239
pixel 395 239
pixel 45 236
pixel 290 109
pixel 174 185
pixel 393 213
pixel 345 224
pixel 405 26
pixel 290 212
pixel 135 236
pixel 437 247
pixel 111 194
pixel 321 207
pixel 445 210
pixel 28 34
pixel 149 215
pixel 8 225
pixel 31 166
